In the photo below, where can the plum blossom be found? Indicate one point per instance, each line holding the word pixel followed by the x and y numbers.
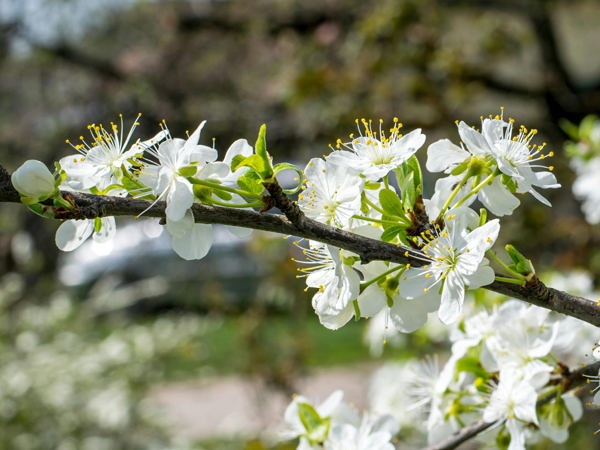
pixel 332 193
pixel 373 433
pixel 513 400
pixel 375 157
pixel 98 162
pixel 455 261
pixel 338 283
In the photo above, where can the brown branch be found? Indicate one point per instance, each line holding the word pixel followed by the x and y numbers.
pixel 88 206
pixel 573 379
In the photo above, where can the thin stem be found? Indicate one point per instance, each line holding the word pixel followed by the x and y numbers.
pixel 373 205
pixel 63 202
pixel 504 266
pixel 493 175
pixel 379 210
pixel 509 280
pixel 110 188
pixel 556 389
pixel 364 286
pixel 224 188
pixel 454 193
pixel 385 181
pixel 235 205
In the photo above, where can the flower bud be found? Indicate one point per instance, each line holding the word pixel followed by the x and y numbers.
pixel 33 179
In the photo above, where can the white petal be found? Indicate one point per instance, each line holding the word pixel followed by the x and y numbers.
pixel 196 243
pixel 453 296
pixel 371 301
pixel 408 315
pixel 71 234
pixel 180 199
pixel 442 154
pixel 194 138
pixel 107 232
pixel 239 147
pixel 482 277
pixel 474 141
pixel 178 228
pixel 498 199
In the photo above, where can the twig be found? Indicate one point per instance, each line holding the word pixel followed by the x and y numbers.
pixel 90 206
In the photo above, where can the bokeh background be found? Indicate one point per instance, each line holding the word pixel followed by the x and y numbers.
pixel 126 346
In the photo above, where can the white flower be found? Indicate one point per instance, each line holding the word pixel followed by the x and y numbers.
pixel 513 400
pixel 338 284
pixel 180 159
pixel 190 240
pixel 406 315
pixel 587 187
pixel 514 157
pixel 520 339
pixel 374 433
pixel 296 427
pixel 558 415
pixel 455 260
pixel 375 157
pixel 33 179
pixel 389 391
pixel 332 193
pixel 72 233
pixel 97 163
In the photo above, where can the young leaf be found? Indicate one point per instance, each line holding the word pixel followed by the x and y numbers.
pixel 391 203
pixel 391 233
pixel 413 164
pixel 257 164
pixel 409 195
pixel 251 182
pixel 236 161
pixel 222 194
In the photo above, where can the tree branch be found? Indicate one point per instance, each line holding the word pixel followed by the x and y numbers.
pixel 89 206
pixel 573 380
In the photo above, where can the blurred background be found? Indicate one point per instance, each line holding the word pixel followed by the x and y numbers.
pixel 126 346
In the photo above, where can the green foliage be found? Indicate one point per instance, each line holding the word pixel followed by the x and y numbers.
pixel 520 264
pixel 390 203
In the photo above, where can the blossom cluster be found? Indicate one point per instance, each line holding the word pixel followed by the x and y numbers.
pixel 350 189
pixel 502 362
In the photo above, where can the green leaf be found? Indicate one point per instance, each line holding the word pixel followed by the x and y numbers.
pixel 97 224
pixel 413 164
pixel 390 203
pixel 287 166
pixel 391 233
pixel 257 164
pixel 251 182
pixel 128 184
pixel 236 161
pixel 409 195
pixel 472 365
pixel 522 264
pixel 261 145
pixel 188 171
